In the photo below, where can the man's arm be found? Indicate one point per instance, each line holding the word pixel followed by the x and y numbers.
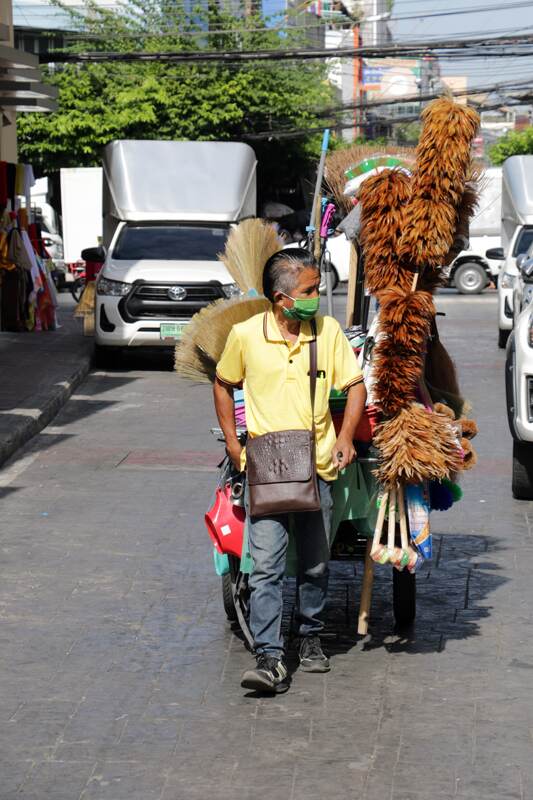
pixel 225 409
pixel 355 405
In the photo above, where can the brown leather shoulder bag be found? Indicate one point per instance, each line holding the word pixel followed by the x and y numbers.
pixel 281 466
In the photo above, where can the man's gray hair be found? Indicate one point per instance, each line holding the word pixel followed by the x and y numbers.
pixel 283 269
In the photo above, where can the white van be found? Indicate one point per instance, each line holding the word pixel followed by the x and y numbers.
pixel 168 209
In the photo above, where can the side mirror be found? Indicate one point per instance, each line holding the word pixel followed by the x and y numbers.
pixel 521 260
pixel 95 254
pixel 495 253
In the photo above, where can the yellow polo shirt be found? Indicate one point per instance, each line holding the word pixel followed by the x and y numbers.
pixel 275 378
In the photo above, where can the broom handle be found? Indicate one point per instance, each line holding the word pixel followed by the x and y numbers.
pixel 380 520
pixel 415 281
pixel 392 519
pixel 366 592
pixel 403 520
pixel 311 228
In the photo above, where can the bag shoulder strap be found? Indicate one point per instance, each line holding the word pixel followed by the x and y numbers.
pixel 313 366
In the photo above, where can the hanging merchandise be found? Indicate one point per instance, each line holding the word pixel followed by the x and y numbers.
pixel 28 299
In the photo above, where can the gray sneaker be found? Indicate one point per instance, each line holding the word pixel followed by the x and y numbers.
pixel 312 658
pixel 269 675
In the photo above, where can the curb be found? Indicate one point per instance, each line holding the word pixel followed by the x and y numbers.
pixel 28 427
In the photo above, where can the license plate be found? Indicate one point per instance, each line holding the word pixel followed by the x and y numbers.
pixel 171 330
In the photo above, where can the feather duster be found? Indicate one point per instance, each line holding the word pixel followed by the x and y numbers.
pixel 417 445
pixel 469 455
pixel 383 198
pixel 405 323
pixel 438 183
pixel 205 337
pixel 249 246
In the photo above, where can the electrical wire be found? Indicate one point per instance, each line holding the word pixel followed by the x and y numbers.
pixel 449 48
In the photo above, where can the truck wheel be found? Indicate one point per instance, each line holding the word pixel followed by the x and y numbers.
pixel 470 278
pixel 403 597
pixel 227 598
pixel 334 280
pixel 523 470
pixel 502 338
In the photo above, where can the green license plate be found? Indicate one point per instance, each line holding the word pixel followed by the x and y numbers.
pixel 171 330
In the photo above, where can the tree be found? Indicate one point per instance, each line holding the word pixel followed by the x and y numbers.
pixel 514 143
pixel 99 102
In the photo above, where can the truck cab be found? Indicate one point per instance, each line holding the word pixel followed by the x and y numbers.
pixel 168 209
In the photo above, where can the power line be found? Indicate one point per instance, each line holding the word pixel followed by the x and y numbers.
pixel 449 48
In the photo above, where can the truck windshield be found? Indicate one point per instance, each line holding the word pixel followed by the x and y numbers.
pixel 170 243
pixel 524 240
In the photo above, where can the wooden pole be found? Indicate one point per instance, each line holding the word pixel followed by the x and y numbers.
pixel 366 592
pixel 352 284
pixel 380 520
pixel 392 522
pixel 403 520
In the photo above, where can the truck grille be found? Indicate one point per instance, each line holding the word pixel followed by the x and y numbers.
pixel 151 300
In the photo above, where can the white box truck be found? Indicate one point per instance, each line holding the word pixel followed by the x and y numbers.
pixel 168 208
pixel 81 210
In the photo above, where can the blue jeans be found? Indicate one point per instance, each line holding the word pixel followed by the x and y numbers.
pixel 268 539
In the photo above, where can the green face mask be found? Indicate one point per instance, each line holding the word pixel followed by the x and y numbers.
pixel 303 308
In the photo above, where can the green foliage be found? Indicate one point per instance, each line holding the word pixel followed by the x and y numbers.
pixel 99 102
pixel 514 143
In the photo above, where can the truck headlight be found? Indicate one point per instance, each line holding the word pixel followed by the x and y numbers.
pixel 114 288
pixel 231 290
pixel 507 281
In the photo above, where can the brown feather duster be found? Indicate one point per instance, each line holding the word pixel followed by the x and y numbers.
pixel 417 445
pixel 469 455
pixel 383 198
pixel 438 183
pixel 405 323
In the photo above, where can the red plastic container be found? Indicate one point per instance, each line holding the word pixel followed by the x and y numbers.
pixel 367 425
pixel 225 523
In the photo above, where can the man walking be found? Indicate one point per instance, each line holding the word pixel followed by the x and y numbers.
pixel 269 355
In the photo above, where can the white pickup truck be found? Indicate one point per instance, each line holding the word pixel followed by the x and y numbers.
pixel 168 208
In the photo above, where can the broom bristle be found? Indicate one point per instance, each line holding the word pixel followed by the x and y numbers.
pixel 86 305
pixel 249 246
pixel 339 161
pixel 205 337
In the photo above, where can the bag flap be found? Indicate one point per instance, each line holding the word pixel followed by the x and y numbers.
pixel 281 457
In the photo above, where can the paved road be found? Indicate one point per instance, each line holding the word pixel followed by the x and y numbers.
pixel 119 676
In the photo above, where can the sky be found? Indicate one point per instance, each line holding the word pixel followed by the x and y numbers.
pixel 497 21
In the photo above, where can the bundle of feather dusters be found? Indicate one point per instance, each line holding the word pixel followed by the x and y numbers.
pixel 408 227
pixel 249 245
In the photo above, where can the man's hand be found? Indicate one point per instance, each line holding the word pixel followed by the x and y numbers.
pixel 343 453
pixel 234 450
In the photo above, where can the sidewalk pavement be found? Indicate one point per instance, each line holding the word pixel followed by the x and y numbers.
pixel 39 372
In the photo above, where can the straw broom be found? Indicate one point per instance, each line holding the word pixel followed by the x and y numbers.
pixel 339 161
pixel 249 246
pixel 205 337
